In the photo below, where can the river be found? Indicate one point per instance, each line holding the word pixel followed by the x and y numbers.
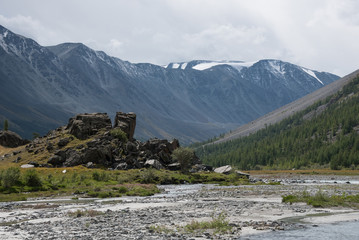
pixel 338 231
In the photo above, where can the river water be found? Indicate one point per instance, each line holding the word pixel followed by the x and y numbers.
pixel 338 231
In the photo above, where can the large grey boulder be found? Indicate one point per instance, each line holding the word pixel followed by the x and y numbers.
pixel 126 122
pixel 11 139
pixel 153 163
pixel 227 169
pixel 85 125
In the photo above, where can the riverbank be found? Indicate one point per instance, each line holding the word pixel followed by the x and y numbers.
pixel 248 209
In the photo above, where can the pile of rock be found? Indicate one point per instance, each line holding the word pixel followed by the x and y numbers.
pixel 100 147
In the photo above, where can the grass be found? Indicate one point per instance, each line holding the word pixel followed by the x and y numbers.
pixel 77 181
pixel 320 199
pixel 218 224
pixel 83 182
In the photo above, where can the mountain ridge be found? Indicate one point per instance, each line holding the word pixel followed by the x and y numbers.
pixel 56 82
pixel 288 110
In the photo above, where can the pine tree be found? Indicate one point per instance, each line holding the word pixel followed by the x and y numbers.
pixel 6 125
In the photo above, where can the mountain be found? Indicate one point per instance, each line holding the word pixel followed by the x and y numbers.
pixel 41 87
pixel 287 110
pixel 322 134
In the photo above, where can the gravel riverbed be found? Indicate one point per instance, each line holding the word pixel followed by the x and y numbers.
pixel 249 209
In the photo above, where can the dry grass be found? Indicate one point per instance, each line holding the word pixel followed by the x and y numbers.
pixel 6 150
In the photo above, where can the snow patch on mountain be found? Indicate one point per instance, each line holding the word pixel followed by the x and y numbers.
pixel 179 65
pixel 176 65
pixel 277 66
pixel 237 64
pixel 311 73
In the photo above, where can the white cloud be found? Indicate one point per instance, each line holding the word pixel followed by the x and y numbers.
pixel 114 43
pixel 319 34
pixel 24 25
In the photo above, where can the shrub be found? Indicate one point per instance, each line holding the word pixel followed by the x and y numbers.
pixel 119 134
pixel 148 176
pixel 219 224
pixel 123 189
pixel 32 179
pixel 96 176
pixel 101 176
pixel 185 157
pixel 10 177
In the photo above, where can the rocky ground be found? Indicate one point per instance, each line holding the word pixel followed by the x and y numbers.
pixel 250 209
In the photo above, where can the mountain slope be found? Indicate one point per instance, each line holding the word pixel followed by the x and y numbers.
pixel 288 110
pixel 324 134
pixel 43 86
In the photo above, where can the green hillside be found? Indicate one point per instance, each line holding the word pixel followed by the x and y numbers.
pixel 324 135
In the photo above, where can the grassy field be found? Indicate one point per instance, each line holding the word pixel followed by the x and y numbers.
pixel 22 184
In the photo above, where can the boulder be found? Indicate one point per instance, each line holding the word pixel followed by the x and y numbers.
pixel 174 144
pixel 174 166
pixel 153 163
pixel 155 145
pixel 224 169
pixel 201 168
pixel 122 166
pixel 242 174
pixel 126 122
pixel 27 166
pixel 63 142
pixel 85 125
pixel 56 161
pixel 11 139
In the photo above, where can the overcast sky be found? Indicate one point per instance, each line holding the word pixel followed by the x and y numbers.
pixel 317 34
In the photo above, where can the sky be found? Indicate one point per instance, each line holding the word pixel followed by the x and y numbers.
pixel 320 35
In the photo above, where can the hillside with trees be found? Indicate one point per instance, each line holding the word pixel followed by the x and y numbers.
pixel 323 135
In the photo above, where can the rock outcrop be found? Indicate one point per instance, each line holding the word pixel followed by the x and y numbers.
pixel 90 140
pixel 11 139
pixel 126 122
pixel 84 125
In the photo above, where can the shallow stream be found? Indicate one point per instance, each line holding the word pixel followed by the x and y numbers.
pixel 338 231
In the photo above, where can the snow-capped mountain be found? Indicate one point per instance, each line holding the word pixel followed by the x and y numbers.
pixel 42 86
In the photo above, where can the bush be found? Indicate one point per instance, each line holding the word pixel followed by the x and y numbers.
pixel 32 179
pixel 101 177
pixel 123 189
pixel 148 176
pixel 185 157
pixel 119 134
pixel 10 177
pixel 219 224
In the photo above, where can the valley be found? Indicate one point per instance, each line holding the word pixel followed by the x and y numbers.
pixel 191 101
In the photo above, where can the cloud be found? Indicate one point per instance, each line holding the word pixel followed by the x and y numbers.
pixel 24 25
pixel 319 34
